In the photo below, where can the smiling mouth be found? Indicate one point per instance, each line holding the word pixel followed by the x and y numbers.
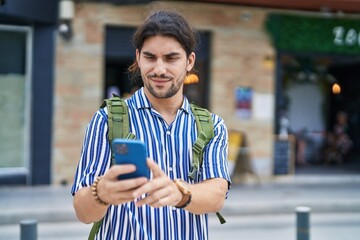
pixel 160 80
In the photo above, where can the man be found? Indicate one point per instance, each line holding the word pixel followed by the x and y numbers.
pixel 160 116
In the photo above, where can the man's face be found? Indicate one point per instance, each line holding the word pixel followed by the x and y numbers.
pixel 163 66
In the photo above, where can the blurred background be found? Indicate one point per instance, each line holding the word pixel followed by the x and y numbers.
pixel 278 73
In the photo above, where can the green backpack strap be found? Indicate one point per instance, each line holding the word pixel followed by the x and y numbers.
pixel 119 127
pixel 118 119
pixel 205 127
pixel 94 229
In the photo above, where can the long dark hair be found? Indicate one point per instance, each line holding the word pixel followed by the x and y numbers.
pixel 163 23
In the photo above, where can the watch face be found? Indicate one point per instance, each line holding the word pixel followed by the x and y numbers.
pixel 183 185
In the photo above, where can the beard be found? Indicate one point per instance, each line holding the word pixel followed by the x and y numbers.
pixel 163 93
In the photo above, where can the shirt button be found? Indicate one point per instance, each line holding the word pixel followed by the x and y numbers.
pixel 168 132
pixel 174 208
pixel 170 168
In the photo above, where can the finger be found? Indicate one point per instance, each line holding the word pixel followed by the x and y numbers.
pixel 117 170
pixel 156 198
pixel 121 191
pixel 164 197
pixel 129 184
pixel 149 200
pixel 155 169
pixel 148 187
pixel 159 197
pixel 166 201
pixel 120 198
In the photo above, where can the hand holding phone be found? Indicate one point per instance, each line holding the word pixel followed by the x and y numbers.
pixel 131 152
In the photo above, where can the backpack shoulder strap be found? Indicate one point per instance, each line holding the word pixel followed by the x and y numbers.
pixel 119 127
pixel 118 118
pixel 94 229
pixel 205 129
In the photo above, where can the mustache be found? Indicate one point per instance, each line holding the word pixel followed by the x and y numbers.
pixel 162 76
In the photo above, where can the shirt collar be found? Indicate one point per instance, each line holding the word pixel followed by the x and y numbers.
pixel 186 105
pixel 140 100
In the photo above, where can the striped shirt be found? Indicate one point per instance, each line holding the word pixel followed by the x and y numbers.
pixel 171 148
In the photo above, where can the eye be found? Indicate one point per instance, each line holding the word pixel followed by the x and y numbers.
pixel 148 57
pixel 171 59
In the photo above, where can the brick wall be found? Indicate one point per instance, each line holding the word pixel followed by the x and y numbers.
pixel 239 48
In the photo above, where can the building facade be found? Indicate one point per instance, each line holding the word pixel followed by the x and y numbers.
pixel 243 67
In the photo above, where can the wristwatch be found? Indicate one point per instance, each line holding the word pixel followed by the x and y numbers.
pixel 186 192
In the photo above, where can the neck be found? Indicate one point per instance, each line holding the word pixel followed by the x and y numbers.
pixel 167 107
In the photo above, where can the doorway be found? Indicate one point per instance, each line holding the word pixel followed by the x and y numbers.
pixel 308 101
pixel 348 75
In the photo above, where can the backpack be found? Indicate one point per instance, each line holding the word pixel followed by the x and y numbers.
pixel 119 127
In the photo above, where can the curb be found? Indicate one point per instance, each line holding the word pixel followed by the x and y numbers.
pixel 49 215
pixel 288 207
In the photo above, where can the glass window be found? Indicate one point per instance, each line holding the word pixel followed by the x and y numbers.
pixel 15 98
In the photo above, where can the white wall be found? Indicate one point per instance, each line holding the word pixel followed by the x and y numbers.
pixel 305 107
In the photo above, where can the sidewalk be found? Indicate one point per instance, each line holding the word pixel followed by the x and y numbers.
pixel 280 196
pixel 323 194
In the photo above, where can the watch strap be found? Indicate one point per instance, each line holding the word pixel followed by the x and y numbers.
pixel 187 202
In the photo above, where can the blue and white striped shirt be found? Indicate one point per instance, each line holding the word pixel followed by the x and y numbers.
pixel 171 148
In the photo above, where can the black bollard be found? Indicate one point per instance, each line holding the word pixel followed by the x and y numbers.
pixel 302 223
pixel 28 229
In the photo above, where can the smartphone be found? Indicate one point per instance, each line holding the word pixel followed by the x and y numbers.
pixel 131 152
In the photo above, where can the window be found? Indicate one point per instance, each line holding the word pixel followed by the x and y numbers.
pixel 15 99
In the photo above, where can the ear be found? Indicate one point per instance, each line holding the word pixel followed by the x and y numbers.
pixel 191 62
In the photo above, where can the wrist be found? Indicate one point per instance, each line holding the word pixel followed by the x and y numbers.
pixel 185 191
pixel 94 191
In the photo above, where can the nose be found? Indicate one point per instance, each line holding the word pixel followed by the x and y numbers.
pixel 159 68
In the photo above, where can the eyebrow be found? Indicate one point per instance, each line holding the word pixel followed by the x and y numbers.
pixel 172 54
